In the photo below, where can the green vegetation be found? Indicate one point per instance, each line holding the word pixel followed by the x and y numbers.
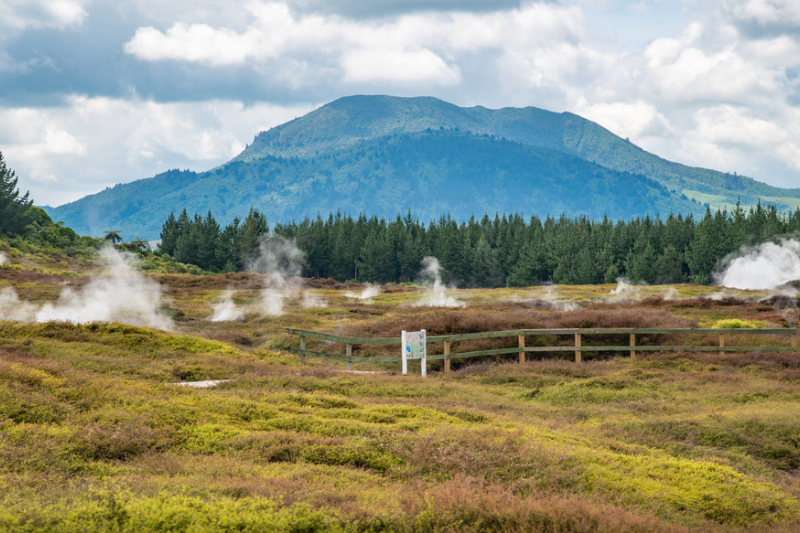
pixel 94 438
pixel 199 241
pixel 737 323
pixel 380 155
pixel 25 228
pixel 507 251
pixel 31 243
pixel 15 211
pixel 434 171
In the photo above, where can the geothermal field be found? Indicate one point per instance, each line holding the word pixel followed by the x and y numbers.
pixel 94 429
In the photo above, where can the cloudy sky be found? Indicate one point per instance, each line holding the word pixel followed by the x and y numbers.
pixel 99 92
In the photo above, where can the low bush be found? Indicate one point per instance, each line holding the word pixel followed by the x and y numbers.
pixel 471 505
pixel 731 323
pixel 490 455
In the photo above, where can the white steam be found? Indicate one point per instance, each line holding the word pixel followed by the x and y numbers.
pixel 272 301
pixel 3 258
pixel 766 266
pixel 556 301
pixel 367 295
pixel 120 294
pixel 12 308
pixel 720 295
pixel 672 294
pixel 437 293
pixel 625 292
pixel 282 261
pixel 225 309
pixel 311 299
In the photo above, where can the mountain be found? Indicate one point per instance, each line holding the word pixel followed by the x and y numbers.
pixel 384 155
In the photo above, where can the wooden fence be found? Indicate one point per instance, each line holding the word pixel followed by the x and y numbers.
pixel 522 349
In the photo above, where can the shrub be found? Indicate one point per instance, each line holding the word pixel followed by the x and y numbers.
pixel 736 323
pixel 469 505
pixel 491 455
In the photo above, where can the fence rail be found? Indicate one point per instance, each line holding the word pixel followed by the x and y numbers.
pixel 578 348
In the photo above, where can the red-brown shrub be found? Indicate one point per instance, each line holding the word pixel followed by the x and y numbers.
pixel 466 504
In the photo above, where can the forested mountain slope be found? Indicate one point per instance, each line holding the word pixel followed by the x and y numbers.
pixel 382 155
pixel 349 120
pixel 432 173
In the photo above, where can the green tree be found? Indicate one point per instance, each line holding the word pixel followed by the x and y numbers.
pixel 228 250
pixel 251 233
pixel 207 235
pixel 641 262
pixel 113 236
pixel 15 210
pixel 669 266
pixel 170 231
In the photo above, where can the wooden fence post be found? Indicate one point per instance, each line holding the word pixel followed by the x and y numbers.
pixel 302 347
pixel 446 358
pixel 633 343
pixel 349 356
pixel 577 345
pixel 794 339
pixel 721 340
pixel 522 345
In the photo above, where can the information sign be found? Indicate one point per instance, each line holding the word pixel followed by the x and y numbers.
pixel 414 346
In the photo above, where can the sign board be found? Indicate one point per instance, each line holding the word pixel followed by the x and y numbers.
pixel 414 346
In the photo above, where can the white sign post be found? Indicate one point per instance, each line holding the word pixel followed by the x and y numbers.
pixel 414 346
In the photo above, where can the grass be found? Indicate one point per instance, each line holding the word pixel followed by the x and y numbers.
pixel 94 438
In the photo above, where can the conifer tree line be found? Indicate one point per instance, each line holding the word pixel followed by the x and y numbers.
pixel 506 250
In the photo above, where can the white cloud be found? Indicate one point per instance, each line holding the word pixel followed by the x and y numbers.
pixel 36 14
pixel 706 89
pixel 422 66
pixel 198 43
pixel 779 52
pixel 411 48
pixel 690 70
pixel 731 138
pixel 763 12
pixel 637 119
pixel 64 153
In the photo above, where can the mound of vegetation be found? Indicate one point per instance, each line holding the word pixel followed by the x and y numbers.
pixel 93 438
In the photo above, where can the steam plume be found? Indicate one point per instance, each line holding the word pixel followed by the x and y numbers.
pixel 282 261
pixel 369 292
pixel 766 266
pixel 119 294
pixel 625 292
pixel 225 309
pixel 311 299
pixel 554 298
pixel 3 258
pixel 12 308
pixel 672 294
pixel 436 295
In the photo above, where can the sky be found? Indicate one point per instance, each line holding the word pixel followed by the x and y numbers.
pixel 99 92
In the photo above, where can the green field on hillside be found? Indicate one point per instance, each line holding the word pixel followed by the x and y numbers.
pixel 96 436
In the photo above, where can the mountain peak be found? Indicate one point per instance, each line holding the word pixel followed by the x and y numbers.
pixel 382 155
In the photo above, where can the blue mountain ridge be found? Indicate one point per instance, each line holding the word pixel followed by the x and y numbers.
pixel 383 155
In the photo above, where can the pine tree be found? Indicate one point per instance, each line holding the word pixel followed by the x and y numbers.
pixel 641 261
pixel 207 235
pixel 669 266
pixel 15 211
pixel 701 255
pixel 250 235
pixel 169 234
pixel 228 248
